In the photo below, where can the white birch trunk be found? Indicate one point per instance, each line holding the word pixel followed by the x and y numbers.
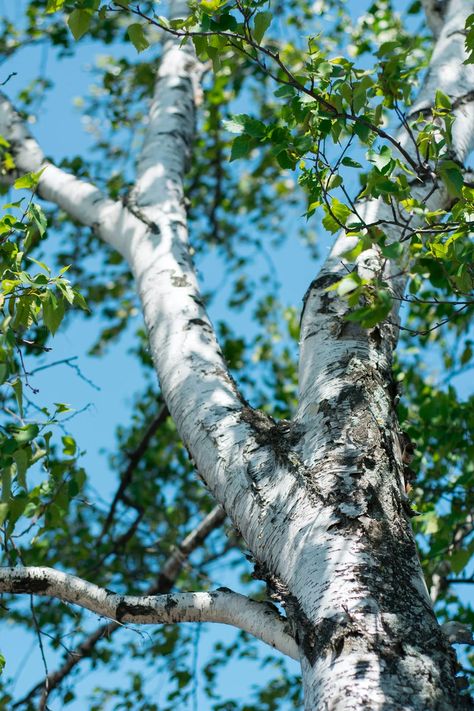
pixel 320 501
pixel 379 645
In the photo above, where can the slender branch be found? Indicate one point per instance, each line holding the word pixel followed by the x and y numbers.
pixel 70 364
pixel 436 325
pixel 5 81
pixel 134 459
pixel 163 584
pixel 79 199
pixel 257 618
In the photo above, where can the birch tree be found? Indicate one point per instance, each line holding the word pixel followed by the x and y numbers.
pixel 319 485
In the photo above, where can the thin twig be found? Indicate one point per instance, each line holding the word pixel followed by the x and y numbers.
pixel 134 459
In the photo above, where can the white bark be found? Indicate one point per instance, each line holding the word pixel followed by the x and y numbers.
pixel 448 73
pixel 257 618
pixel 200 394
pixel 320 346
pixel 434 11
pixel 81 200
pixel 361 543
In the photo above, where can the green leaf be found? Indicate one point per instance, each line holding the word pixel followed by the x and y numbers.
pixel 62 407
pixel 350 163
pixel 348 284
pixel 285 92
pixel 459 560
pixel 241 147
pixel 233 126
pixel 451 175
pixel 26 434
pixel 69 446
pixel 381 160
pixel 432 523
pixel 392 251
pixel 54 5
pixel 137 37
pixel 36 214
pixel 211 5
pixel 53 312
pixel 67 291
pixel 3 515
pixel 29 181
pixel 285 160
pixel 80 301
pixel 336 216
pixel 241 123
pixel 362 130
pixel 18 390
pixel 441 100
pixel 201 45
pixel 370 316
pixel 41 265
pixel 470 40
pixel 79 22
pixel 6 479
pixel 21 461
pixel 262 23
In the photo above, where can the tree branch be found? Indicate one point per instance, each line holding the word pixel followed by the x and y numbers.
pixel 258 619
pixel 81 200
pixel 435 11
pixel 448 72
pixel 134 459
pixel 164 582
pixel 214 421
pixel 216 424
pixel 321 341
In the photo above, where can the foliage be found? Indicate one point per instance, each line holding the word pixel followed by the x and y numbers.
pixel 326 93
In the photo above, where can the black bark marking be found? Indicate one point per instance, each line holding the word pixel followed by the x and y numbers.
pixel 280 436
pixel 170 604
pixel 32 585
pixel 138 610
pixel 321 283
pixel 180 281
pixel 198 322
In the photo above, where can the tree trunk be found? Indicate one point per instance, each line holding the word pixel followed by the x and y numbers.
pixel 365 625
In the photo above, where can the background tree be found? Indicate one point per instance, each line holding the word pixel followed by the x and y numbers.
pixel 319 486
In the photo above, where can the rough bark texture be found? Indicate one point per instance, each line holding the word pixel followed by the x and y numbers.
pixel 320 501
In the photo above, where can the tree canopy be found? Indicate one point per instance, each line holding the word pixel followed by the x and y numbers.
pixel 306 112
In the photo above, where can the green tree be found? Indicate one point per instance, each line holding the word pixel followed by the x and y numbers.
pixel 314 461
